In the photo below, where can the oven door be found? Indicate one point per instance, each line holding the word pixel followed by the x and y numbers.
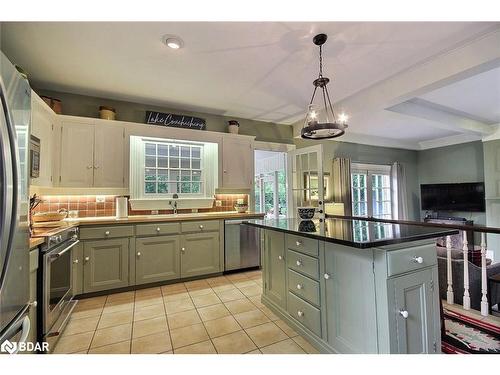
pixel 58 281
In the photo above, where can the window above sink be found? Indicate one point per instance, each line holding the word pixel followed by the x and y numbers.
pixel 160 168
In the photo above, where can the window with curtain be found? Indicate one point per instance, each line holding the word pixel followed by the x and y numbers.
pixel 371 191
pixel 371 197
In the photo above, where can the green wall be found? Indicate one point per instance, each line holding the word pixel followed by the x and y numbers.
pixel 375 155
pixel 457 163
pixel 88 106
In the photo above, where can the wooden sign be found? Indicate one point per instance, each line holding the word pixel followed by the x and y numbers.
pixel 176 121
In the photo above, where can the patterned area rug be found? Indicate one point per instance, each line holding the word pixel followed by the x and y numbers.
pixel 466 335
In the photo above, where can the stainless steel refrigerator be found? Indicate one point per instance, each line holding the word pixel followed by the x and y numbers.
pixel 15 118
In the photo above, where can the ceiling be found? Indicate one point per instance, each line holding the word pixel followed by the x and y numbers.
pixel 260 71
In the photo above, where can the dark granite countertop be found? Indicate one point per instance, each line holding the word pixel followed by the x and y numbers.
pixel 355 233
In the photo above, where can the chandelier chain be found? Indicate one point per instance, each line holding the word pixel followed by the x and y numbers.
pixel 321 61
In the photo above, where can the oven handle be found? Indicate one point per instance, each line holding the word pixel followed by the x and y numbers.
pixel 55 256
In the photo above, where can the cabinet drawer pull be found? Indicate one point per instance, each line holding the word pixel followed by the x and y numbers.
pixel 299 286
pixel 158 229
pixel 183 250
pixel 106 233
pixel 298 243
pixel 403 313
pixel 87 259
pixel 96 167
pixel 326 276
pixel 89 167
pixel 75 261
pixel 299 263
pixel 138 253
pixel 280 257
pixel 201 227
pixel 418 260
pixel 300 313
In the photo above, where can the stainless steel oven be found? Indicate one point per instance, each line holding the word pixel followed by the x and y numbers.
pixel 56 281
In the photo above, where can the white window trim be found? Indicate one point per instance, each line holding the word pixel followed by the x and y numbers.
pixel 369 170
pixel 140 201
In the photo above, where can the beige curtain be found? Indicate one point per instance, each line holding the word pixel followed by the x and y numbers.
pixel 399 196
pixel 342 183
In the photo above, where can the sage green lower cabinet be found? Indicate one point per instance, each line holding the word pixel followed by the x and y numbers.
pixel 77 258
pixel 200 254
pixel 275 267
pixel 106 264
pixel 413 295
pixel 34 254
pixel 157 259
pixel 349 300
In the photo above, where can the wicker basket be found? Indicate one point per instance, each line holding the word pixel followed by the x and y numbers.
pixel 49 216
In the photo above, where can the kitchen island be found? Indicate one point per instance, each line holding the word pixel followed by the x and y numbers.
pixel 354 286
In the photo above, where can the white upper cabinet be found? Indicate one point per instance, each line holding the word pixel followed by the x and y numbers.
pixel 92 154
pixel 237 162
pixel 77 155
pixel 43 126
pixel 109 156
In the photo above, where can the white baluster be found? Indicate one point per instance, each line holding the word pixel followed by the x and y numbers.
pixel 449 292
pixel 466 302
pixel 484 288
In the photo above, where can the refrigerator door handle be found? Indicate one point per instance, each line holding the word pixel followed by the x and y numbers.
pixel 10 222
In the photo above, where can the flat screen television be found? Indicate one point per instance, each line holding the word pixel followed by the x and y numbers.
pixel 468 197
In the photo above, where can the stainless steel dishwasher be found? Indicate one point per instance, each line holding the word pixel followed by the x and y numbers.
pixel 241 245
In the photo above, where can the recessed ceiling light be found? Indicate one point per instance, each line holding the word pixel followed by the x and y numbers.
pixel 173 41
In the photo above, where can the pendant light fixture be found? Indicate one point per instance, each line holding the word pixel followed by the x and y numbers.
pixel 320 121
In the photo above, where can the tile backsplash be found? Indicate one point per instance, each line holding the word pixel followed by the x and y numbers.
pixel 87 206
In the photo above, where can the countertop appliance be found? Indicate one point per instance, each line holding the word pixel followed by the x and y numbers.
pixel 241 246
pixel 55 283
pixel 15 118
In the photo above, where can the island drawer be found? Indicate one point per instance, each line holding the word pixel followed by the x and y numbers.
pixel 411 259
pixel 199 226
pixel 304 287
pixel 157 229
pixel 305 313
pixel 303 244
pixel 106 232
pixel 303 264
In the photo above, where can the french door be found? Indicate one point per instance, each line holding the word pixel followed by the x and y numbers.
pixel 306 185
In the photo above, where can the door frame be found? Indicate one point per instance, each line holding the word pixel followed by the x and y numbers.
pixel 318 149
pixel 276 147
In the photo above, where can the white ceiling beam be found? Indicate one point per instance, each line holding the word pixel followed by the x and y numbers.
pixel 425 76
pixel 441 118
pixel 448 141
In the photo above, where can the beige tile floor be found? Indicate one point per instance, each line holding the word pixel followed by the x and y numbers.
pixel 216 315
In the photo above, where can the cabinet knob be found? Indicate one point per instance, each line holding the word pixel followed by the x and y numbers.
pixel 158 229
pixel 183 249
pixel 201 226
pixel 300 313
pixel 280 257
pixel 75 261
pixel 298 243
pixel 224 171
pixel 138 253
pixel 89 167
pixel 418 260
pixel 299 286
pixel 87 259
pixel 106 233
pixel 96 167
pixel 403 313
pixel 299 263
pixel 326 276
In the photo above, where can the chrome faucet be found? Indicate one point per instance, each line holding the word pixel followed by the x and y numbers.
pixel 174 205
